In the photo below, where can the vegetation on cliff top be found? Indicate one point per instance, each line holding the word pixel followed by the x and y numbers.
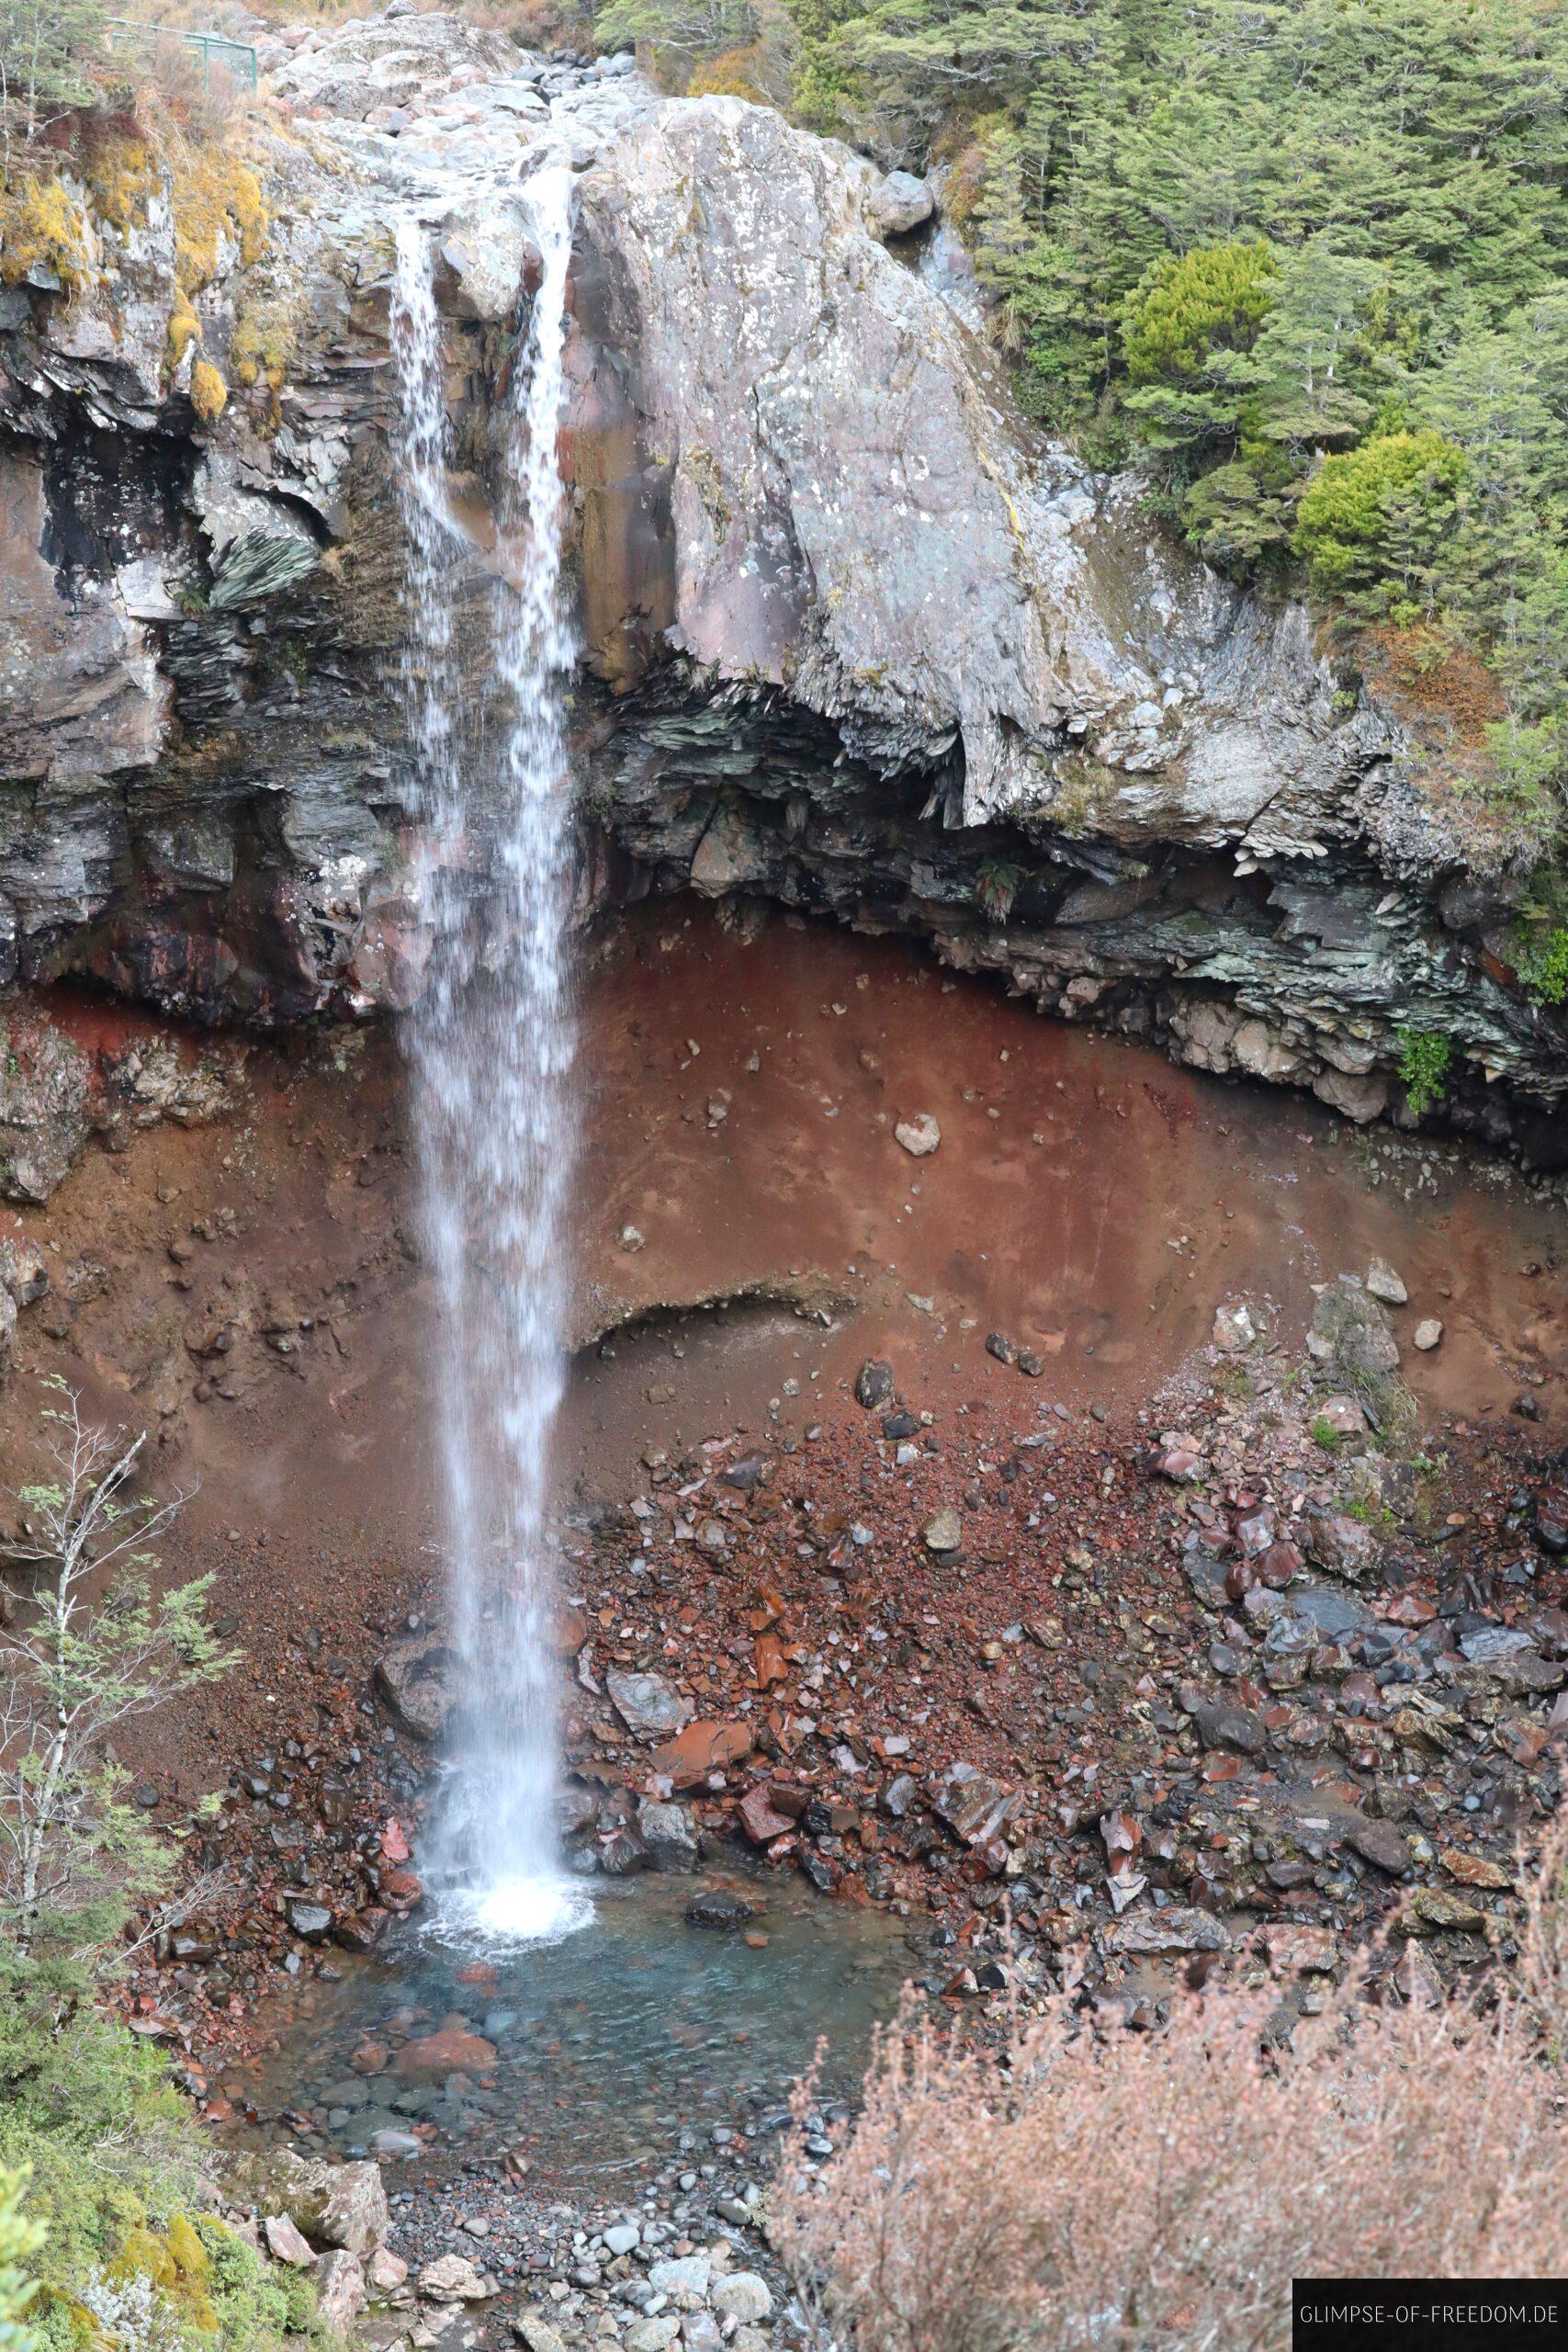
pixel 1306 263
pixel 91 138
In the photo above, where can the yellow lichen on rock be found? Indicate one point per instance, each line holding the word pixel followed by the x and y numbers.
pixel 144 2254
pixel 42 228
pixel 216 197
pixel 184 329
pixel 48 225
pixel 191 2257
pixel 121 176
pixel 193 2286
pixel 179 2267
pixel 208 392
pixel 263 344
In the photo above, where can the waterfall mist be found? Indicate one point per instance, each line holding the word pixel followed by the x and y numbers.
pixel 490 1047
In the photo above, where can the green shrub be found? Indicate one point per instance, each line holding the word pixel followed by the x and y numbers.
pixel 48 51
pixel 117 2170
pixel 115 2159
pixel 1542 961
pixel 1187 333
pixel 1189 307
pixel 996 886
pixel 1371 520
pixel 1423 1060
pixel 256 2302
pixel 20 2240
pixel 1240 515
pixel 1527 763
pixel 88 2107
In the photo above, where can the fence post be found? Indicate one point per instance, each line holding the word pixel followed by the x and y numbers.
pixel 206 42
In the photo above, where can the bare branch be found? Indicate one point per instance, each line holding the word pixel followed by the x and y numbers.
pixel 81 1669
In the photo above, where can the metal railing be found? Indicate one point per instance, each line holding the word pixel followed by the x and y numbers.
pixel 237 59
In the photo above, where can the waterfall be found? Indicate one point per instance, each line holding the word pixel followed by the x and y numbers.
pixel 490 1047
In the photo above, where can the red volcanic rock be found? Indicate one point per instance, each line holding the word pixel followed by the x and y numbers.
pixel 361 1931
pixel 703 1749
pixel 451 2051
pixel 568 1630
pixel 758 1817
pixel 1279 1564
pixel 771 1663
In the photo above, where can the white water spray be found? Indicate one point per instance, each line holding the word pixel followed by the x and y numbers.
pixel 491 1046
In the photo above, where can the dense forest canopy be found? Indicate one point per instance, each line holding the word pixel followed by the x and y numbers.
pixel 1308 263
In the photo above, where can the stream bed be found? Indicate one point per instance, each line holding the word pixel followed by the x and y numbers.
pixel 589 2056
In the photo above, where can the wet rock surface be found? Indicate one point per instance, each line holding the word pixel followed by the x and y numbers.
pixel 854 640
pixel 418 1679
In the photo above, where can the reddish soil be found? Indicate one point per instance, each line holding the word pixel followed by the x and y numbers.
pixel 1104 1245
pixel 263 1308
pixel 1087 1197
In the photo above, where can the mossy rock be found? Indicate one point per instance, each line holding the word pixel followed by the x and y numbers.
pixel 43 234
pixel 184 329
pixel 1353 1333
pixel 264 341
pixel 59 2323
pixel 216 198
pixel 191 2257
pixel 123 176
pixel 208 392
pixel 145 2255
pixel 255 2304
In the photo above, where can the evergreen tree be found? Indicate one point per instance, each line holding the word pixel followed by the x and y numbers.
pixel 1306 259
pixel 1498 398
pixel 44 47
pixel 1315 352
pixel 1372 522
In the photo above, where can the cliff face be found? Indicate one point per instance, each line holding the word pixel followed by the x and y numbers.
pixel 850 639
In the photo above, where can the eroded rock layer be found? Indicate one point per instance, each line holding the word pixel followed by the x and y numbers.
pixel 851 639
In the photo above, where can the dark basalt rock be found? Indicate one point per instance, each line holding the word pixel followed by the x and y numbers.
pixel 417 1680
pixel 717 1907
pixel 985 704
pixel 313 1922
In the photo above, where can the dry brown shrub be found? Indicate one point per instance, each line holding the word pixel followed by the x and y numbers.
pixel 535 24
pixel 733 74
pixel 1162 2190
pixel 177 85
pixel 1438 677
pixel 201 95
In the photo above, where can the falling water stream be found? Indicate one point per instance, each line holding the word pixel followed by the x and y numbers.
pixel 490 1050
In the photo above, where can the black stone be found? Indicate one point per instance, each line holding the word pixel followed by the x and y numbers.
pixel 717 1907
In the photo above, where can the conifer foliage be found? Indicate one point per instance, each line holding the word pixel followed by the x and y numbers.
pixel 1306 260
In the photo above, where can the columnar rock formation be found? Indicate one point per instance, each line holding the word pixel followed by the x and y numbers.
pixel 854 640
